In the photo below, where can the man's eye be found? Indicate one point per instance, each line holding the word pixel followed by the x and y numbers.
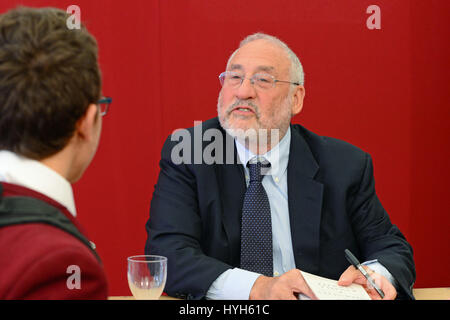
pixel 235 77
pixel 263 79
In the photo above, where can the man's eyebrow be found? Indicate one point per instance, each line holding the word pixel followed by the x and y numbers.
pixel 265 68
pixel 236 67
pixel 259 68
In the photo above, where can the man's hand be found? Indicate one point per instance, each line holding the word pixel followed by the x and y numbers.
pixel 284 287
pixel 352 275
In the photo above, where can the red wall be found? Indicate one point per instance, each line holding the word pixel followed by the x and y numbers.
pixel 386 91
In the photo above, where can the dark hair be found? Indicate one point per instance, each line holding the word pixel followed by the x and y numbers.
pixel 49 75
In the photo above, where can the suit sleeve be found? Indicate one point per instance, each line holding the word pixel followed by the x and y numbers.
pixel 378 238
pixel 174 230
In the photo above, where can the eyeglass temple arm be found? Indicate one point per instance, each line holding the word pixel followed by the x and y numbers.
pixel 105 100
pixel 296 83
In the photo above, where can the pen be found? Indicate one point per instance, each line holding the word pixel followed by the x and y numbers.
pixel 352 259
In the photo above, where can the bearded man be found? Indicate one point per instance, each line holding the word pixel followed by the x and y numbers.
pixel 290 201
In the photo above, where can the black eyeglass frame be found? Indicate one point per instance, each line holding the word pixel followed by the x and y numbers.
pixel 104 101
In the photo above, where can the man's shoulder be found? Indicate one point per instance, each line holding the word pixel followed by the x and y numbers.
pixel 46 255
pixel 34 239
pixel 195 138
pixel 325 143
pixel 330 151
pixel 38 223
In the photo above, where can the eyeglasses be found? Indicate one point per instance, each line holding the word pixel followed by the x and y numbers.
pixel 103 104
pixel 262 80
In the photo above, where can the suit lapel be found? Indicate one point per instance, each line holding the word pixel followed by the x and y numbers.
pixel 232 190
pixel 305 204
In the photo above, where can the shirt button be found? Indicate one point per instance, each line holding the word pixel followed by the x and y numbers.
pixel 276 179
pixel 276 274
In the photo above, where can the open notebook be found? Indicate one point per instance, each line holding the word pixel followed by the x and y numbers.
pixel 328 289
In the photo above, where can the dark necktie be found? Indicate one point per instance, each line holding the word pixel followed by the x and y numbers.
pixel 256 224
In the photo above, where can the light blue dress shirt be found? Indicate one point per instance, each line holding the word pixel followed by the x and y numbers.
pixel 236 284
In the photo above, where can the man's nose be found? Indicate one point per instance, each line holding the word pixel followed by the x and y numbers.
pixel 246 90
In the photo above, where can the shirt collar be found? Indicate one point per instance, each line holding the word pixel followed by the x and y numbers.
pixel 277 156
pixel 36 176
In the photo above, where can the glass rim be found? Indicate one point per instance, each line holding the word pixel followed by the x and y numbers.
pixel 154 258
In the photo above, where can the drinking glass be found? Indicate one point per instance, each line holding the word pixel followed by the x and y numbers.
pixel 147 276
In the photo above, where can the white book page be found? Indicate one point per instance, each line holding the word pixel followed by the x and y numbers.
pixel 328 289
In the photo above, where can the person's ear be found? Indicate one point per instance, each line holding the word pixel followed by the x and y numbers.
pixel 85 125
pixel 297 103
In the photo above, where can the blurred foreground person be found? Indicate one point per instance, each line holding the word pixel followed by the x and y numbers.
pixel 50 122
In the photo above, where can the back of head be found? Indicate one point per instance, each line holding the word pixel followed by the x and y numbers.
pixel 49 75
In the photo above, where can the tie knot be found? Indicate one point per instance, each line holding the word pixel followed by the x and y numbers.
pixel 258 168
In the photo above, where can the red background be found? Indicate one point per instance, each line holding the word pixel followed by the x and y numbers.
pixel 386 91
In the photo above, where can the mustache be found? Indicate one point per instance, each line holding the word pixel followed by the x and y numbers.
pixel 247 103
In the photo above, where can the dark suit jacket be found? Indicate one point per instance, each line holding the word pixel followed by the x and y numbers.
pixel 196 211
